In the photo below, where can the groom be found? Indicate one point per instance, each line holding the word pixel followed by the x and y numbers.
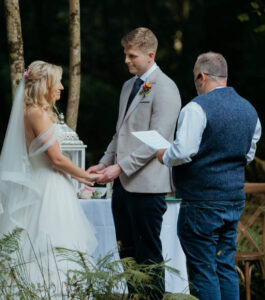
pixel 149 101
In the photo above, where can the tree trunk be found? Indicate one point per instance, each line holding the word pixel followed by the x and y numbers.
pixel 74 65
pixel 15 42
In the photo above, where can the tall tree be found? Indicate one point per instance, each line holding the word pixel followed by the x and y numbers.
pixel 74 64
pixel 15 42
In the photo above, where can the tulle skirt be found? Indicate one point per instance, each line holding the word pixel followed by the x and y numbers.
pixel 55 219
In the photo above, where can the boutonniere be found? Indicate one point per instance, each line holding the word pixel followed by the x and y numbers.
pixel 146 89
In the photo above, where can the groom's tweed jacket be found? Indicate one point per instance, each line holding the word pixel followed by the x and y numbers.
pixel 159 110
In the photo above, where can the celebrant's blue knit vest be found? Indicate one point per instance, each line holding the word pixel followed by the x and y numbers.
pixel 217 171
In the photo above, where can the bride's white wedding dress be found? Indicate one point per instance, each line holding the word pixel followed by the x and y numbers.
pixel 41 200
pixel 54 217
pixel 58 213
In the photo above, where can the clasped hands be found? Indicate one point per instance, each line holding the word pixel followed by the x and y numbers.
pixel 107 174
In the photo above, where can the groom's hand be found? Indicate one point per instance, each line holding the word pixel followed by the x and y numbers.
pixel 159 155
pixel 96 168
pixel 109 174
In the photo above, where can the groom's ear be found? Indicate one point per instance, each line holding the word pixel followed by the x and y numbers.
pixel 151 55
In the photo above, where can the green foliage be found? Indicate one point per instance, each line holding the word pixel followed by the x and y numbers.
pixel 254 4
pixel 84 280
pixel 256 235
pixel 199 26
pixel 9 244
pixel 243 17
pixel 260 28
pixel 257 8
pixel 13 278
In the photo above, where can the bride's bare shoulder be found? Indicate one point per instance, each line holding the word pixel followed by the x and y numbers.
pixel 37 118
pixel 33 114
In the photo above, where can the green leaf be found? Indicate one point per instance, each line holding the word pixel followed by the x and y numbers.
pixel 254 4
pixel 243 17
pixel 260 28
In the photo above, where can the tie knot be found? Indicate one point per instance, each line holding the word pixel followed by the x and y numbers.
pixel 139 82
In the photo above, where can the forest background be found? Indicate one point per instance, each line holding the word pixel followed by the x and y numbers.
pixel 184 30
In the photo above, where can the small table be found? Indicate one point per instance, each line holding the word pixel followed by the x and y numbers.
pixel 98 212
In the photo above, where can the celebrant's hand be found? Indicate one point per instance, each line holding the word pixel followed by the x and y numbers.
pixel 109 174
pixel 96 168
pixel 159 155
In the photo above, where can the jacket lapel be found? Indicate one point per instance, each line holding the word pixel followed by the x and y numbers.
pixel 152 80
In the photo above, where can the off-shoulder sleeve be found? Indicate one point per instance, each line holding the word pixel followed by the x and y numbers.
pixel 44 141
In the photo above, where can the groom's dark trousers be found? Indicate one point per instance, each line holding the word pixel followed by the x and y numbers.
pixel 138 220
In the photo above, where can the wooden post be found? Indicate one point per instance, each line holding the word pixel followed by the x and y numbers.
pixel 247 280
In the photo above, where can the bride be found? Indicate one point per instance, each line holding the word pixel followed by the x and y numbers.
pixel 35 192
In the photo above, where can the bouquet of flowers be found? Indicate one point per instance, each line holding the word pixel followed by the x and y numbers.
pixel 92 192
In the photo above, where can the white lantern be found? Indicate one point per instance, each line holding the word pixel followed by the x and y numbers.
pixel 72 147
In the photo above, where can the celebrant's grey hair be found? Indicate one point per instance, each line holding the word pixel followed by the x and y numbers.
pixel 212 64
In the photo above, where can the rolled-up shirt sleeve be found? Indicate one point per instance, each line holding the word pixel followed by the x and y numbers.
pixel 256 136
pixel 191 125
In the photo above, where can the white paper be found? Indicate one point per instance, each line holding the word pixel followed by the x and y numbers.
pixel 152 138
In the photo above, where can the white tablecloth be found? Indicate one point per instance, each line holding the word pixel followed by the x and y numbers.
pixel 98 212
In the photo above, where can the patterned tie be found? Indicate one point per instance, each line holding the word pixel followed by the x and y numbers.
pixel 136 86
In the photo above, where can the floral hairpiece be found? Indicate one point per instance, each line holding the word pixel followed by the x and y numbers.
pixel 27 73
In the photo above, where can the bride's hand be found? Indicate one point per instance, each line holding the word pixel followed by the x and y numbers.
pixel 84 180
pixel 92 176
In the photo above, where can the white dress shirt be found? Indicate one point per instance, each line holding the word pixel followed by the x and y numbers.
pixel 191 125
pixel 147 73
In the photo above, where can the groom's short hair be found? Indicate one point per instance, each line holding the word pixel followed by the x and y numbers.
pixel 142 37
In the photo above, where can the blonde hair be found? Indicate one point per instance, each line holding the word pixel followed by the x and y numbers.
pixel 41 82
pixel 142 37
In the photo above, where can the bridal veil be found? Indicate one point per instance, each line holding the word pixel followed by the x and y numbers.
pixel 17 186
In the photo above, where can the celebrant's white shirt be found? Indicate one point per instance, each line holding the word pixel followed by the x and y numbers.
pixel 191 125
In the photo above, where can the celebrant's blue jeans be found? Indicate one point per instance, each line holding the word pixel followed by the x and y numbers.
pixel 207 231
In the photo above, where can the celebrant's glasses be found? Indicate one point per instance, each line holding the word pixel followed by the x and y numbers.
pixel 200 75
